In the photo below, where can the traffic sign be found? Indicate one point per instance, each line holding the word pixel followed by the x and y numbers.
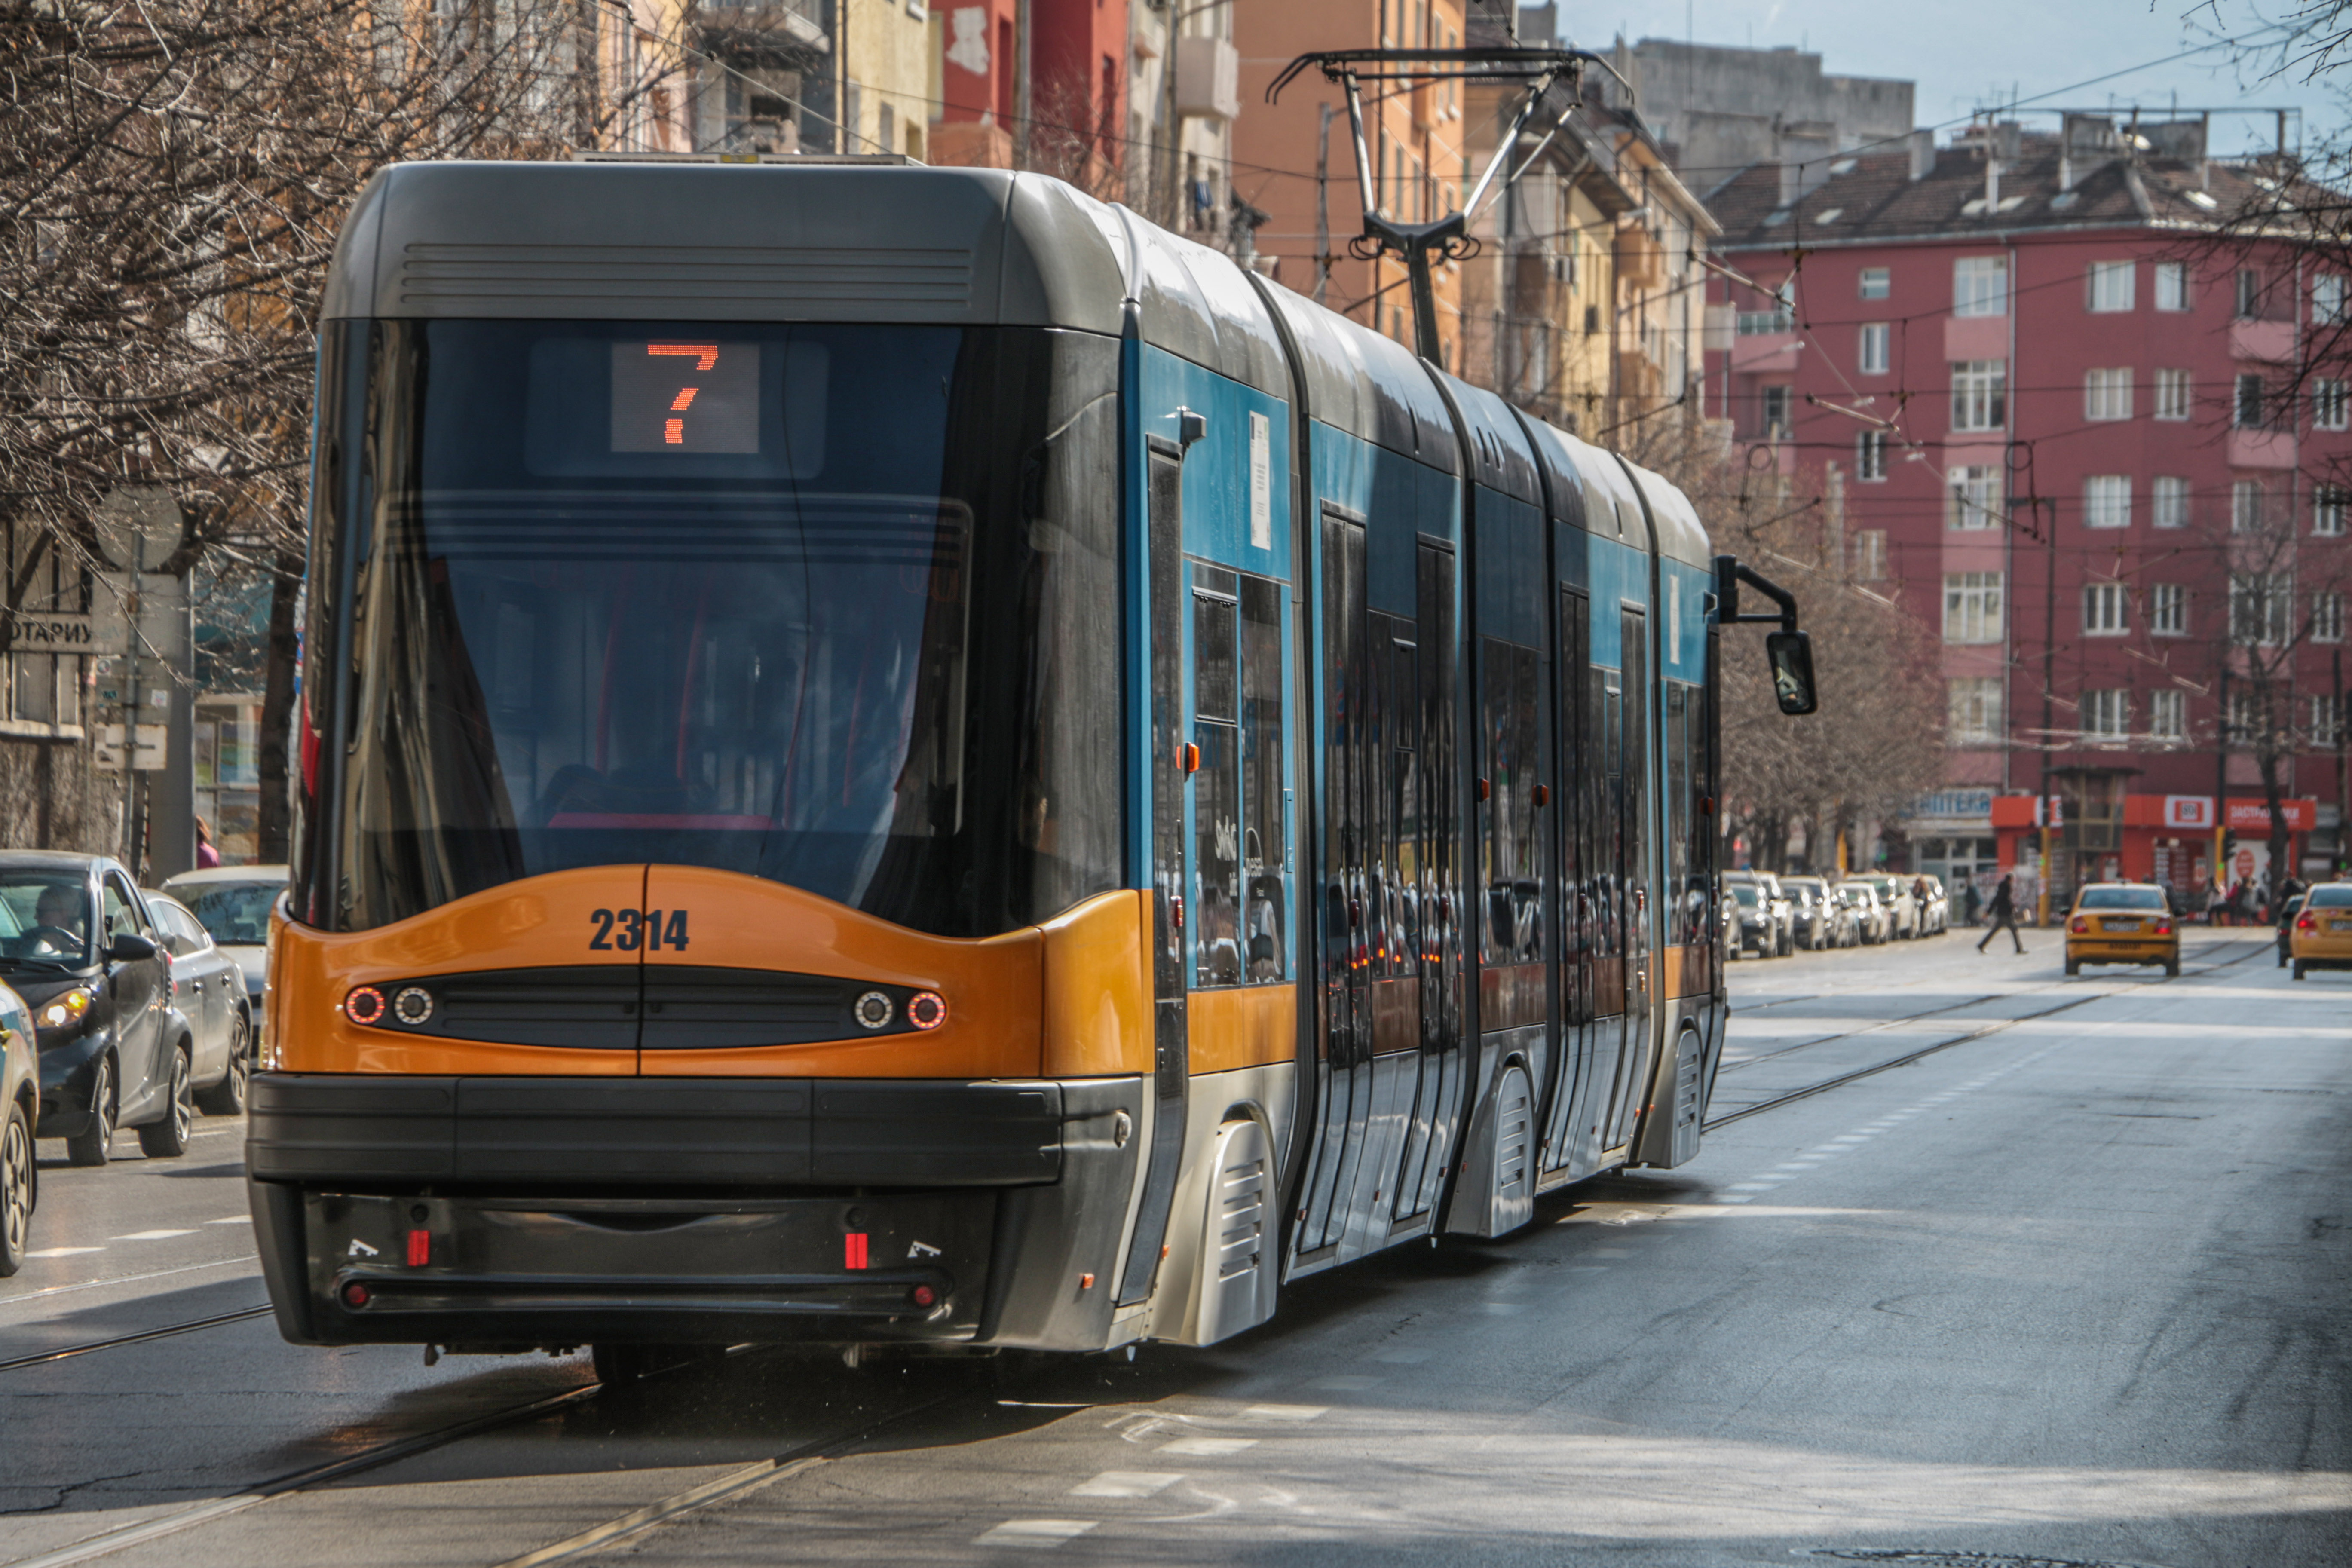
pixel 151 747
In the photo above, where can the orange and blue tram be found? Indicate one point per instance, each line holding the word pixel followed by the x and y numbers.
pixel 893 756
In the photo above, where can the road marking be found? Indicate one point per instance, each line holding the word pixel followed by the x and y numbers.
pixel 1494 1309
pixel 1346 1383
pixel 150 1235
pixel 1035 1532
pixel 233 1219
pixel 1309 1412
pixel 639 1520
pixel 1128 1483
pixel 1734 1198
pixel 1208 1447
pixel 63 1251
pixel 1755 1186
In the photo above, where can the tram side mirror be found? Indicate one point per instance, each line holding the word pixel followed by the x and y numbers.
pixel 1790 654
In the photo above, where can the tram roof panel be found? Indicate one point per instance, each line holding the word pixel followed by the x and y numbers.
pixel 1198 305
pixel 1588 485
pixel 1500 456
pixel 763 242
pixel 1681 535
pixel 1368 385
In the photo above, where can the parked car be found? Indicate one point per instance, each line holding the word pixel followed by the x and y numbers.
pixel 1871 921
pixel 2322 931
pixel 208 988
pixel 1753 925
pixel 1775 906
pixel 20 1108
pixel 1936 911
pixel 233 903
pixel 78 944
pixel 2122 922
pixel 2286 925
pixel 1820 918
pixel 1894 898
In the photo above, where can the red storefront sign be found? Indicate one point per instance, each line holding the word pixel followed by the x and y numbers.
pixel 2252 817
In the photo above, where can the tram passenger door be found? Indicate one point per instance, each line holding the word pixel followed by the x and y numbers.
pixel 1629 755
pixel 1429 872
pixel 1171 1050
pixel 1564 1139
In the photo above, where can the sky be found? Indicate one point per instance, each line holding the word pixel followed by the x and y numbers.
pixel 1968 53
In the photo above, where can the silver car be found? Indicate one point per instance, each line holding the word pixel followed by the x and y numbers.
pixel 232 904
pixel 209 990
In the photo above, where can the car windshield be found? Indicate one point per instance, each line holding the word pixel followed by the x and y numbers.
pixel 1746 893
pixel 2122 899
pixel 44 919
pixel 2334 896
pixel 236 913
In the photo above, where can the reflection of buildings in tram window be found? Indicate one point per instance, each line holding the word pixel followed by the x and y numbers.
pixel 227 753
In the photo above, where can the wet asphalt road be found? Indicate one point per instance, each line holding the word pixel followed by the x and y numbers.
pixel 2074 1284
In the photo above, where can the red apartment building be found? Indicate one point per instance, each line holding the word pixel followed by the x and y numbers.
pixel 2058 414
pixel 1077 88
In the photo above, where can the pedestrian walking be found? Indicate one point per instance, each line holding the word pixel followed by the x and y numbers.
pixel 2002 914
pixel 1971 903
pixel 206 856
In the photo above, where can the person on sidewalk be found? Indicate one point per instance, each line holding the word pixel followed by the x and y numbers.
pixel 207 856
pixel 2001 914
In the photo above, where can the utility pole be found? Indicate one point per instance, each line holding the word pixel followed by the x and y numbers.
pixel 1323 205
pixel 1023 87
pixel 2049 675
pixel 2221 780
pixel 2342 796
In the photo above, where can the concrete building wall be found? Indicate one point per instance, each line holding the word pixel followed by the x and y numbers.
pixel 1721 108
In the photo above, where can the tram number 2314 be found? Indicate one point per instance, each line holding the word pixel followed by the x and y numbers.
pixel 626 929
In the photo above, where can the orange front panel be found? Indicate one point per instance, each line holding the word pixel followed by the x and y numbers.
pixel 1097 985
pixel 1247 1027
pixel 993 985
pixel 542 924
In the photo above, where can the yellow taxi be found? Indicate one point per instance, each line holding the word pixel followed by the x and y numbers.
pixel 2322 938
pixel 2122 922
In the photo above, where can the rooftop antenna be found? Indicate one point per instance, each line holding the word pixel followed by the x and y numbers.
pixel 1421 245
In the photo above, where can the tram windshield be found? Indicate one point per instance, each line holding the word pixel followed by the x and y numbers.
pixel 692 596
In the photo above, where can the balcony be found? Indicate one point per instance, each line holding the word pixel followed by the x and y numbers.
pixel 2266 342
pixel 1765 350
pixel 2251 447
pixel 1208 79
pixel 1640 259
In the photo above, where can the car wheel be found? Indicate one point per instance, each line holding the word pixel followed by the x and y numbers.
pixel 2172 970
pixel 2073 967
pixel 2282 960
pixel 94 1145
pixel 167 1138
pixel 226 1098
pixel 17 1190
pixel 2298 970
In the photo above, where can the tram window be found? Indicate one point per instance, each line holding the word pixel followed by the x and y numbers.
pixel 1265 848
pixel 1216 790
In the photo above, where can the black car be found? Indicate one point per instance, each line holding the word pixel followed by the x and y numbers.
pixel 2288 911
pixel 78 943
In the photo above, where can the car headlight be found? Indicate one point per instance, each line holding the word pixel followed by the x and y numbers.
pixel 67 1009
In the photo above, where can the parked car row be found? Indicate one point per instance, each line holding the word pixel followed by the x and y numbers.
pixel 120 1006
pixel 1776 915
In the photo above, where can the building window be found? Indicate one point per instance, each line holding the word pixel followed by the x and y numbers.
pixel 2107 714
pixel 2328 406
pixel 2327 720
pixel 1980 286
pixel 2328 505
pixel 1874 348
pixel 2328 617
pixel 2327 299
pixel 1874 284
pixel 2168 502
pixel 1979 394
pixel 1972 497
pixel 1870 455
pixel 2243 721
pixel 2260 603
pixel 2246 506
pixel 1776 412
pixel 2167 715
pixel 2111 286
pixel 2172 285
pixel 2250 295
pixel 2106 395
pixel 2107 501
pixel 2248 407
pixel 1974 718
pixel 2172 395
pixel 1972 607
pixel 2168 610
pixel 1870 554
pixel 2104 610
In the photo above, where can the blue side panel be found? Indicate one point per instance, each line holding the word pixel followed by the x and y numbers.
pixel 1683 625
pixel 1135 578
pixel 1218 520
pixel 1620 577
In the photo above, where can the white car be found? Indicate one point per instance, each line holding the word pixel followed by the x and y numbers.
pixel 233 903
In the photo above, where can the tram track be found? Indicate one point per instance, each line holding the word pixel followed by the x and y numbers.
pixel 1992 1027
pixel 67 1352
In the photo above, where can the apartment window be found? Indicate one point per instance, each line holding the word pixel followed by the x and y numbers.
pixel 2111 286
pixel 1974 714
pixel 2249 294
pixel 2328 505
pixel 1980 286
pixel 2107 501
pixel 1874 283
pixel 1870 554
pixel 1979 394
pixel 2104 610
pixel 2243 720
pixel 2172 286
pixel 2260 603
pixel 2328 617
pixel 2248 407
pixel 2107 714
pixel 2168 502
pixel 2327 719
pixel 2172 395
pixel 2327 299
pixel 1972 607
pixel 2246 506
pixel 1874 355
pixel 1870 455
pixel 1972 497
pixel 2167 715
pixel 2328 406
pixel 2168 610
pixel 2106 395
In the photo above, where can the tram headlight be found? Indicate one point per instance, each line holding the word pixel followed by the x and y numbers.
pixel 927 1010
pixel 364 1005
pixel 875 1010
